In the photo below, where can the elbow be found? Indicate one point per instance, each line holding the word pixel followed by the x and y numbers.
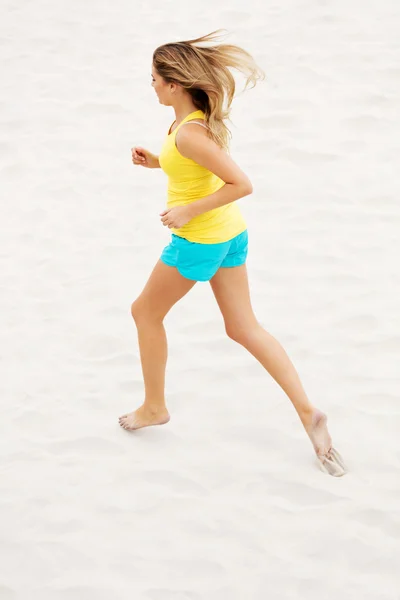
pixel 241 188
pixel 246 188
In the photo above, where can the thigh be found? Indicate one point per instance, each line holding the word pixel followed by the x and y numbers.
pixel 231 290
pixel 163 289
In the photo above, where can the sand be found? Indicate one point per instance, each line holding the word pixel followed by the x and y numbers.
pixel 226 502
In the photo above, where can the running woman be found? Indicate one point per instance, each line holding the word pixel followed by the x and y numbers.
pixel 209 237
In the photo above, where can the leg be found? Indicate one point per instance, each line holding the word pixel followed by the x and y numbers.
pixel 163 289
pixel 231 290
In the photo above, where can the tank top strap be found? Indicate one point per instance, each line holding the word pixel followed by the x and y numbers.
pixel 199 114
pixel 195 122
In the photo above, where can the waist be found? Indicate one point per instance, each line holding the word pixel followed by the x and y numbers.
pixel 183 192
pixel 215 226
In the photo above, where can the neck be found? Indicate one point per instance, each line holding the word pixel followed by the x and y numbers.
pixel 182 111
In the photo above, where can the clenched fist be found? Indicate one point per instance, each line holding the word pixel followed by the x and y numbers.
pixel 176 217
pixel 144 158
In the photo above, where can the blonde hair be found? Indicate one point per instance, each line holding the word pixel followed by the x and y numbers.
pixel 204 73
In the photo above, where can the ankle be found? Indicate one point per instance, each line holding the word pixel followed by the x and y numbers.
pixel 306 415
pixel 154 408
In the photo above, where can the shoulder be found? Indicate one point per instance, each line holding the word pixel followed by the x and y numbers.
pixel 193 139
pixel 194 143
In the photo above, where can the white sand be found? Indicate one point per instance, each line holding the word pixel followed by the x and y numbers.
pixel 226 502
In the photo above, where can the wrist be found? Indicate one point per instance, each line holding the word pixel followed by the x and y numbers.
pixel 193 210
pixel 155 163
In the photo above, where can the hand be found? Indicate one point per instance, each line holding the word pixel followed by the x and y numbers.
pixel 176 217
pixel 144 158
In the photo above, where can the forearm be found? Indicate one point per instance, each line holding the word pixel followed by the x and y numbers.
pixel 156 162
pixel 225 195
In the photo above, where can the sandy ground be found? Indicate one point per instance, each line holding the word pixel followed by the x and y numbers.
pixel 226 501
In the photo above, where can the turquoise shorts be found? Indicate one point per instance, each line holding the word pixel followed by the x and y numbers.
pixel 200 262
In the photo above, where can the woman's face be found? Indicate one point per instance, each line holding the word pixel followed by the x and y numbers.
pixel 161 87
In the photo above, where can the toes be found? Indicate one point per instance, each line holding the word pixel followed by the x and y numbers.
pixel 128 425
pixel 327 466
pixel 123 420
pixel 338 459
pixel 332 464
pixel 124 423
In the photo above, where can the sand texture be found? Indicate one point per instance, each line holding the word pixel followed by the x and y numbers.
pixel 225 502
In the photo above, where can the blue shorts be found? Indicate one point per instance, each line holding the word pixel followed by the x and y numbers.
pixel 200 262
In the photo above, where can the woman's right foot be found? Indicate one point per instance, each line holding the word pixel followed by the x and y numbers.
pixel 144 417
pixel 330 460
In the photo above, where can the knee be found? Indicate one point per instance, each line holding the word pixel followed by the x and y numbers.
pixel 241 333
pixel 142 313
pixel 236 333
pixel 136 310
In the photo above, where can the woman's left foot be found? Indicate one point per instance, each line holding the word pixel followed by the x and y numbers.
pixel 329 459
pixel 143 417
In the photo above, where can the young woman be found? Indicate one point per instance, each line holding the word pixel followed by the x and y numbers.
pixel 209 234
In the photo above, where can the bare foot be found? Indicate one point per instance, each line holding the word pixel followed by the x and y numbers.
pixel 144 417
pixel 329 459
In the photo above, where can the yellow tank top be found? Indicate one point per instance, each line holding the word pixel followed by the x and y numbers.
pixel 188 182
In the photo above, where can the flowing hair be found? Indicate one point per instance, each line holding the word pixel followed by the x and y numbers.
pixel 203 71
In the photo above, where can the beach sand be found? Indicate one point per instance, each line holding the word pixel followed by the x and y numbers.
pixel 226 502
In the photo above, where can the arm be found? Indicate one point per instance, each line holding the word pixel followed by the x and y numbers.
pixel 144 158
pixel 152 160
pixel 195 144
